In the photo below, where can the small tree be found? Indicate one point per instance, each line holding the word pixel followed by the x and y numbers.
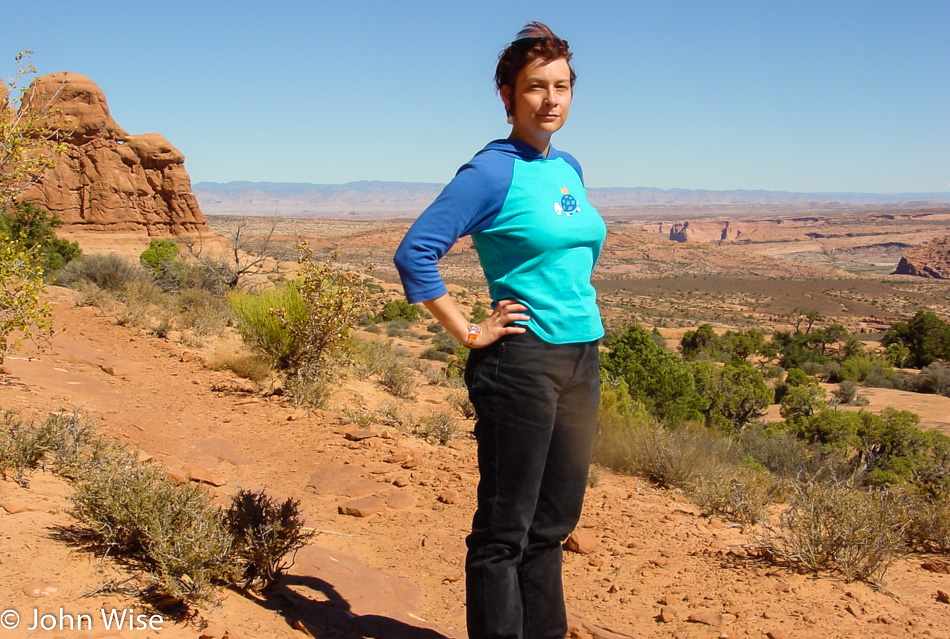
pixel 21 284
pixel 925 336
pixel 335 299
pixel 736 394
pixel 33 225
pixel 246 254
pixel 657 378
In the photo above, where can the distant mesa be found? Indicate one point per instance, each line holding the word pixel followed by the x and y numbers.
pixel 930 259
pixel 109 180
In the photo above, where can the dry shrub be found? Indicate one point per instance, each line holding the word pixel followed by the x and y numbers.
pixel 377 358
pixel 62 439
pixel 929 526
pixel 174 532
pixel 203 312
pixel 89 294
pixel 309 391
pixel 253 366
pixel 460 402
pixel 838 529
pixel 264 533
pixel 674 458
pixel 108 272
pixel 441 426
pixel 735 493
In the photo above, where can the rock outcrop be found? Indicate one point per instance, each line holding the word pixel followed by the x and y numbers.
pixel 930 259
pixel 108 180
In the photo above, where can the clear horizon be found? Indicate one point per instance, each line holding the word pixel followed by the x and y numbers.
pixel 803 97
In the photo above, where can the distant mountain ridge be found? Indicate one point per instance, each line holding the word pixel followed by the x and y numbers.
pixel 375 198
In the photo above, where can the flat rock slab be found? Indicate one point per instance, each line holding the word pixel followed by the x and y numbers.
pixel 360 434
pixel 17 507
pixel 203 475
pixel 363 507
pixel 343 481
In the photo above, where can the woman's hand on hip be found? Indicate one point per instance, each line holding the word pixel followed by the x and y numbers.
pixel 498 324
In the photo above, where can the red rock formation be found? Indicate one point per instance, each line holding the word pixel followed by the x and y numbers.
pixel 930 259
pixel 109 180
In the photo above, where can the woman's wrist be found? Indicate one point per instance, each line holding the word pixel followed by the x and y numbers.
pixel 472 333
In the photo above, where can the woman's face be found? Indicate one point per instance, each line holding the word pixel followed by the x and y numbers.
pixel 539 101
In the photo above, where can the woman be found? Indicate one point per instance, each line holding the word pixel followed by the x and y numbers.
pixel 533 373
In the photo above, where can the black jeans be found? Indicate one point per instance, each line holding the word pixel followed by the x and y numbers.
pixel 537 416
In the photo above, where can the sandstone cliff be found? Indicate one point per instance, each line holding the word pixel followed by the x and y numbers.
pixel 930 259
pixel 109 180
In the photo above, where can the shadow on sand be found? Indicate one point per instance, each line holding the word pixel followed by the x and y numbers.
pixel 325 613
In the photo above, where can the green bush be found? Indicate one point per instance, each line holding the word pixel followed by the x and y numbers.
pixel 33 226
pixel 703 343
pixel 398 309
pixel 160 251
pixel 735 394
pixel 261 328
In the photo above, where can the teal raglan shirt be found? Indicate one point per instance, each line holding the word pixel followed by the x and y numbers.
pixel 536 234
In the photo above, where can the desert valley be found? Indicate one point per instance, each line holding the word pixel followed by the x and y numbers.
pixel 387 496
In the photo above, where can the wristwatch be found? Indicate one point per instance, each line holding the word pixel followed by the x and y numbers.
pixel 474 330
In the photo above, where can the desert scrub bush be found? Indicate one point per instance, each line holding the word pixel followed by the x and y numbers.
pixel 779 451
pixel 397 379
pixel 63 440
pixel 309 391
pixel 459 401
pixel 264 533
pixel 929 526
pixel 675 458
pixel 444 342
pixel 618 417
pixel 203 312
pixel 736 493
pixel 175 532
pixel 253 366
pixel 839 529
pixel 109 272
pixel 259 326
pixel 22 446
pixel 398 328
pixel 434 354
pixel 440 426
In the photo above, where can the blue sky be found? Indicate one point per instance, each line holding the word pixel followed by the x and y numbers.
pixel 817 95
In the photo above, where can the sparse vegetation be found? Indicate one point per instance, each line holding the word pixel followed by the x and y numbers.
pixel 839 529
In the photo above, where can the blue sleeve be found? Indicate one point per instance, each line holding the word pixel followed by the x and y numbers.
pixel 468 204
pixel 570 159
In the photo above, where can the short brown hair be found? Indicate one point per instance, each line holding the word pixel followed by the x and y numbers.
pixel 535 40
